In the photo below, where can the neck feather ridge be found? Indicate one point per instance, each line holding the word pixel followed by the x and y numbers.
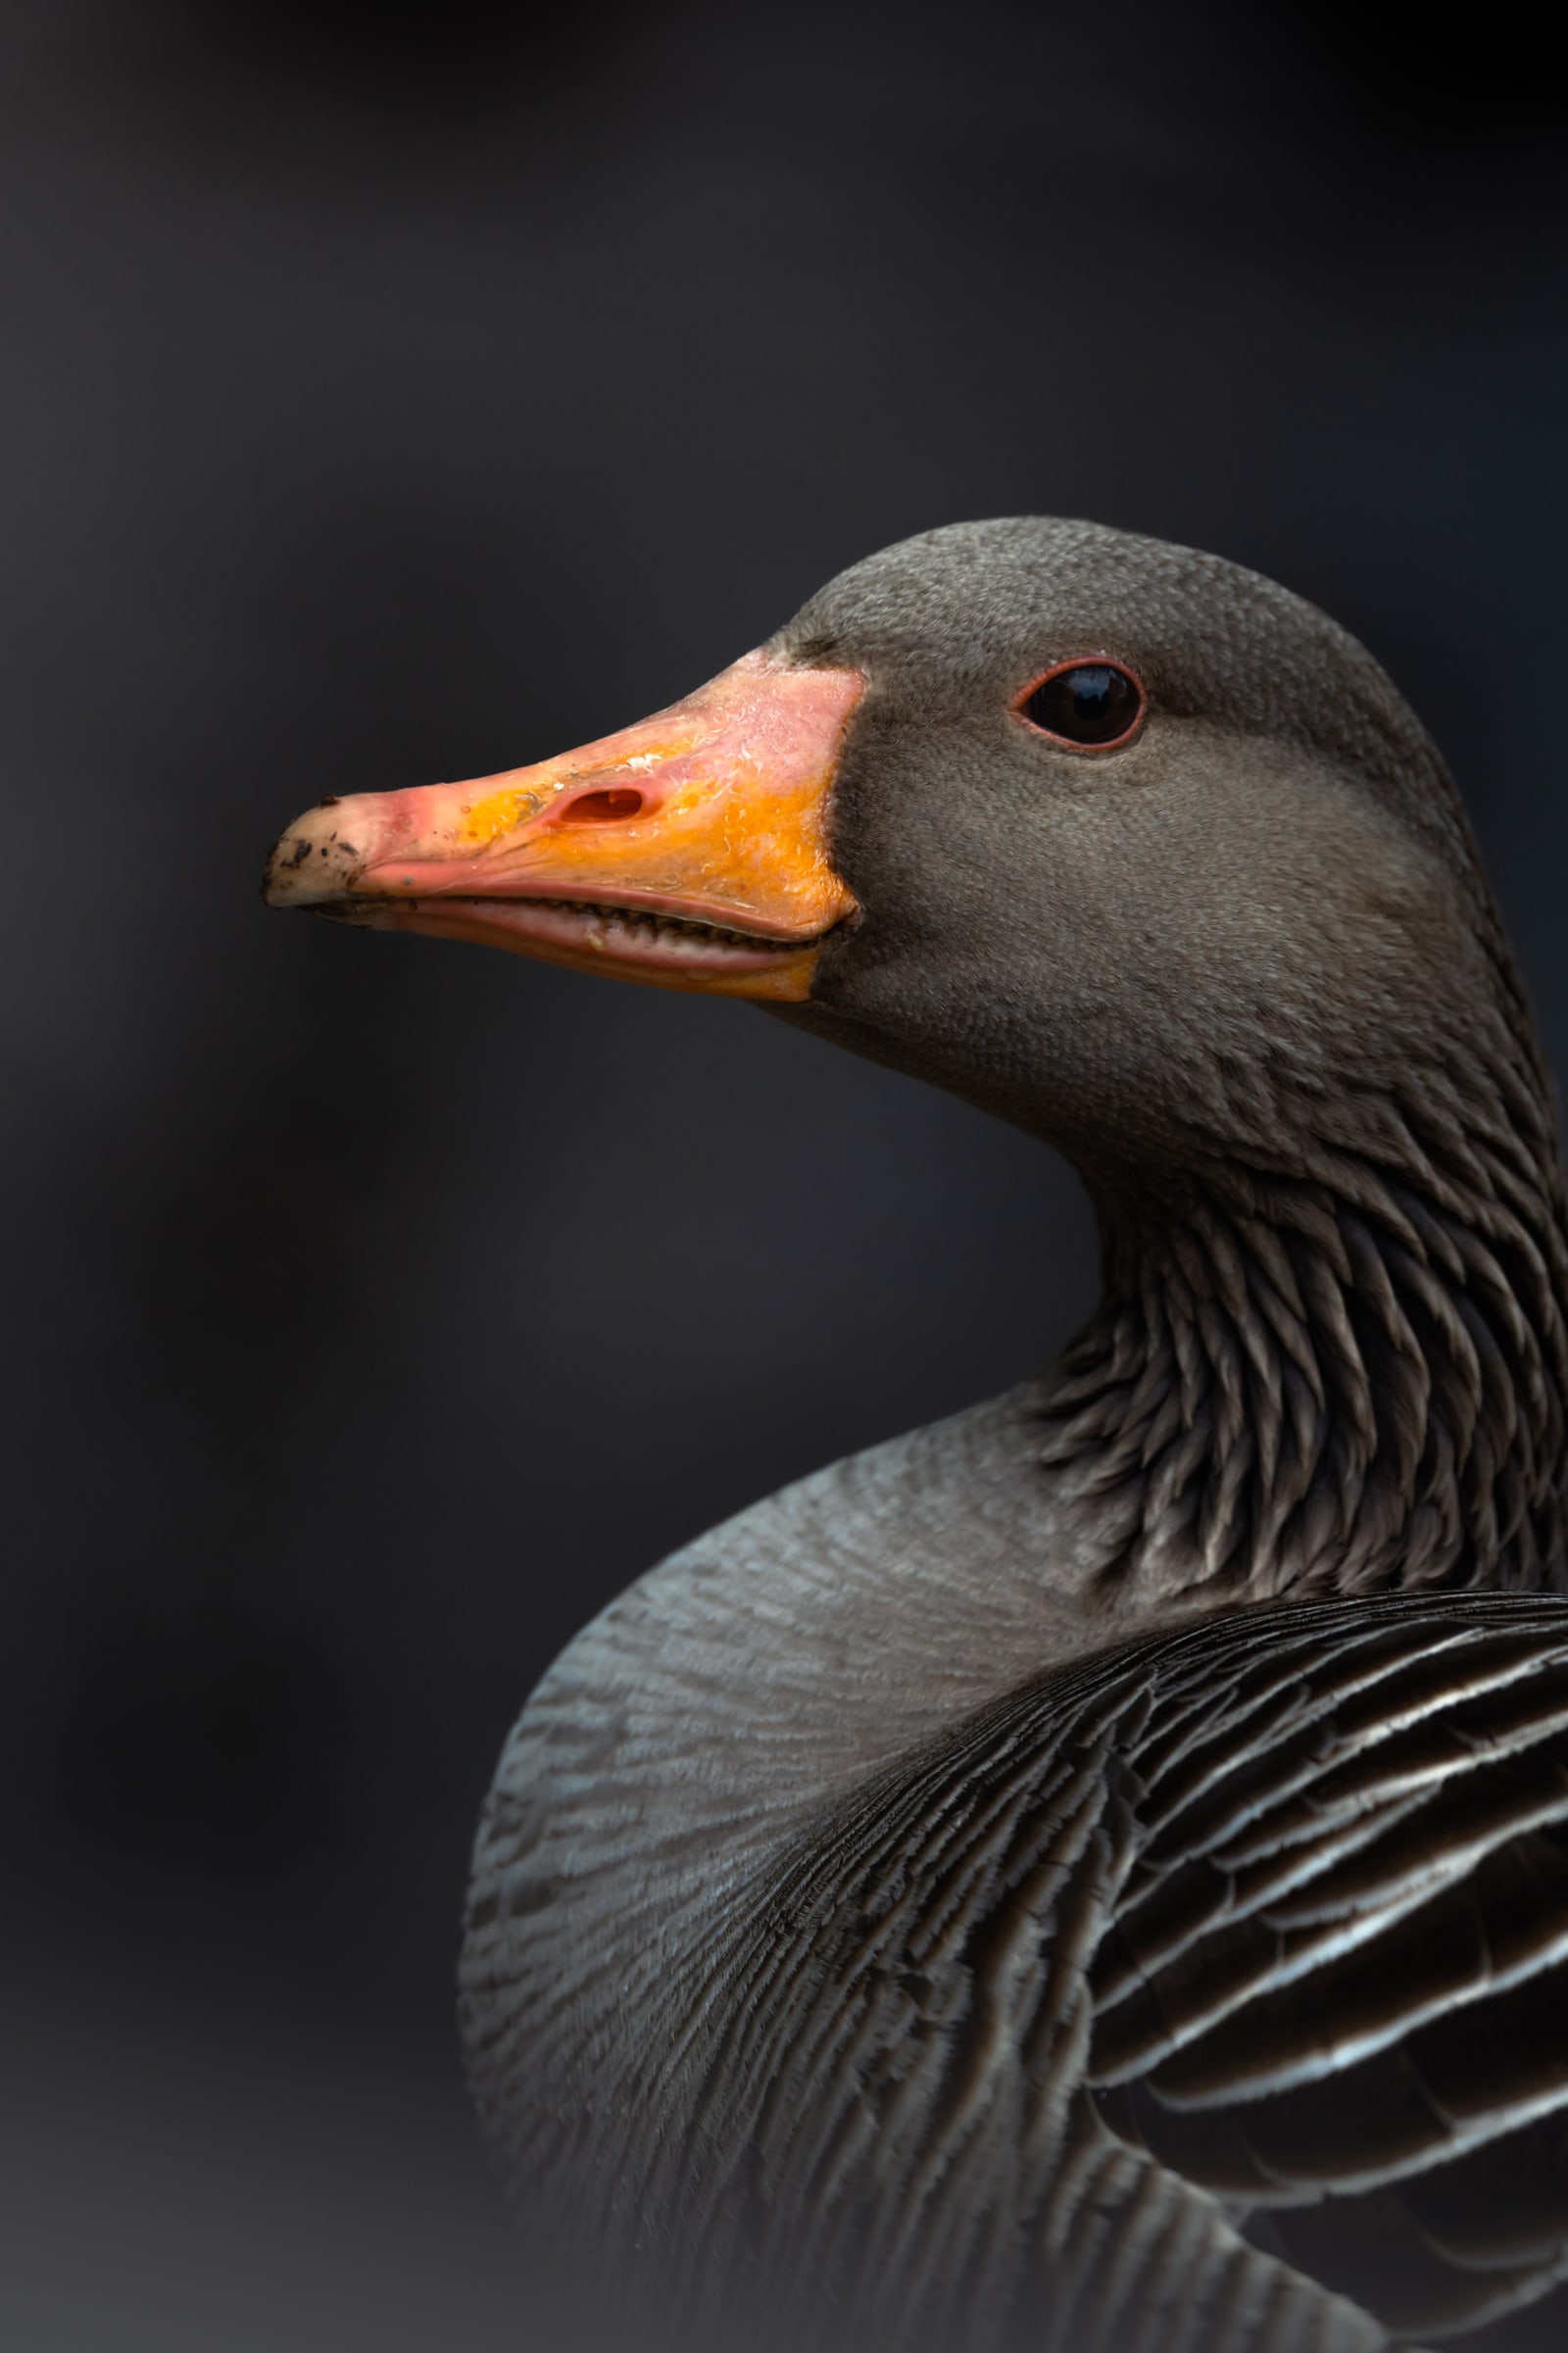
pixel 1333 1356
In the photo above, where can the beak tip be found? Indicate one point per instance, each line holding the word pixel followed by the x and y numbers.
pixel 312 862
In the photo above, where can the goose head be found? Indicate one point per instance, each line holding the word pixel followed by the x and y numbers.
pixel 1118 840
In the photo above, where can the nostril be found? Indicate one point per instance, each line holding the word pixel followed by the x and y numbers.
pixel 603 807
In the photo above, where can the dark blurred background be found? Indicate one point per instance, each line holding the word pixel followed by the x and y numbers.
pixel 393 395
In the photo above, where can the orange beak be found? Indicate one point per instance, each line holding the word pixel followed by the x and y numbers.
pixel 689 851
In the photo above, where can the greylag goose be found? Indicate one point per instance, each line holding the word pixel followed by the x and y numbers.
pixel 1091 1874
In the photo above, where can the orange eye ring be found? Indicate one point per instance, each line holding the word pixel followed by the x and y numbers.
pixel 1111 698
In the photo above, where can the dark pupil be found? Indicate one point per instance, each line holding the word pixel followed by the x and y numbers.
pixel 1091 704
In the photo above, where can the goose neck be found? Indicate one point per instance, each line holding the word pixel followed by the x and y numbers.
pixel 1332 1357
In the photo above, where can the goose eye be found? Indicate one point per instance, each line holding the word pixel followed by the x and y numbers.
pixel 1089 702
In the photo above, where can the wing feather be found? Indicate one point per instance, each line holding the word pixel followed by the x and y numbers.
pixel 1334 1992
pixel 1211 1993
